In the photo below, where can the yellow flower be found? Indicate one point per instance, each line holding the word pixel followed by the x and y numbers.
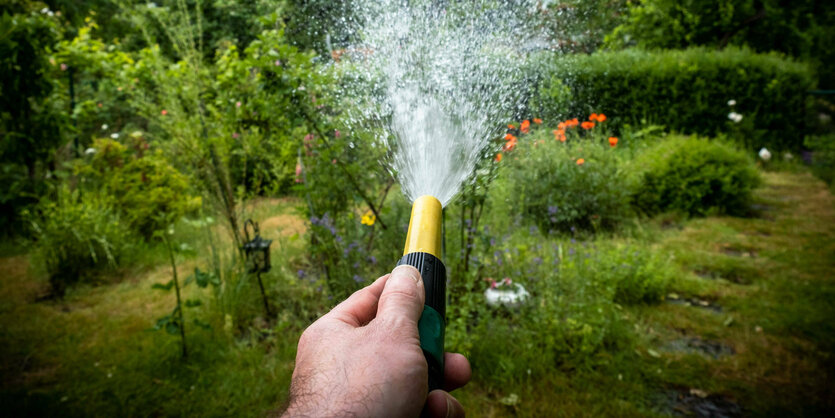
pixel 369 218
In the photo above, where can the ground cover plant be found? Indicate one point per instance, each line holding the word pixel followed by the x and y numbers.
pixel 665 273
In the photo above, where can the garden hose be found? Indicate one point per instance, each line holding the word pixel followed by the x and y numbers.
pixel 422 251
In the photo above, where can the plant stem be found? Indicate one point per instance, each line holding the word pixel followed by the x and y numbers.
pixel 179 301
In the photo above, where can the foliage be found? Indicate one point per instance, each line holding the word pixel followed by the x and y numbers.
pixel 823 156
pixel 570 317
pixel 30 120
pixel 638 274
pixel 562 185
pixel 800 29
pixel 695 176
pixel 688 91
pixel 174 323
pixel 77 236
pixel 581 25
pixel 142 184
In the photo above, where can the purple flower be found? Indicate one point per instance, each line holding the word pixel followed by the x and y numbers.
pixel 357 265
pixel 358 279
pixel 552 210
pixel 571 251
pixel 537 260
pixel 492 242
pixel 300 273
pixel 372 259
pixel 533 230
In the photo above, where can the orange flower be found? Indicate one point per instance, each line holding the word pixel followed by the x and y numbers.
pixel 601 118
pixel 561 126
pixel 580 161
pixel 537 121
pixel 511 126
pixel 613 140
pixel 559 134
pixel 510 145
pixel 525 127
pixel 588 125
pixel 572 122
pixel 593 117
pixel 562 137
pixel 509 137
pixel 499 157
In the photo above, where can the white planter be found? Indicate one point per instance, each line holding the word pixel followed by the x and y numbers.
pixel 510 297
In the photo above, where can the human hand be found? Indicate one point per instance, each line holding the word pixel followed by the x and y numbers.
pixel 363 358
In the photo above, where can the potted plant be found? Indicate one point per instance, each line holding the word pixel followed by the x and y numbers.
pixel 505 292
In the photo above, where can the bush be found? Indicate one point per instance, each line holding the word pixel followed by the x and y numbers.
pixel 823 157
pixel 563 185
pixel 143 185
pixel 78 235
pixel 687 90
pixel 695 176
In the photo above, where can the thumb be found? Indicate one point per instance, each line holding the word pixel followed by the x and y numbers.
pixel 403 296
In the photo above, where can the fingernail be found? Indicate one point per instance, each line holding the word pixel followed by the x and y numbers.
pixel 406 271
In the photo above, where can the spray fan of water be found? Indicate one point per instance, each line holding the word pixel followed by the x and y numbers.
pixel 441 77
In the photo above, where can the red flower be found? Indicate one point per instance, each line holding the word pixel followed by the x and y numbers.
pixel 537 121
pixel 581 161
pixel 587 125
pixel 511 126
pixel 613 140
pixel 509 137
pixel 499 157
pixel 164 112
pixel 526 126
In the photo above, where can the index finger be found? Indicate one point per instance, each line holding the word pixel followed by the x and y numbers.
pixel 361 307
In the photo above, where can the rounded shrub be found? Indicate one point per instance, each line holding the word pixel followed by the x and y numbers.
pixel 694 175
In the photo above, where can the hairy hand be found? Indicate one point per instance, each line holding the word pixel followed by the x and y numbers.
pixel 363 358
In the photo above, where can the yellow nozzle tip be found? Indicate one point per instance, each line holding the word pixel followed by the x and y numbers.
pixel 425 227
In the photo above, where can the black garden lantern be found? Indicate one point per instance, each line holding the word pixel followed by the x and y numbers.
pixel 257 250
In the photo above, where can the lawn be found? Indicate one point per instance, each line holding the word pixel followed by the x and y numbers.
pixel 746 329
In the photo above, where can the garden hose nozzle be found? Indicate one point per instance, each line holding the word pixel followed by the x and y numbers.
pixel 422 251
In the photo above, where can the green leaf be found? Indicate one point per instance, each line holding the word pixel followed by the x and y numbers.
pixel 203 278
pixel 161 286
pixel 191 303
pixel 172 328
pixel 201 324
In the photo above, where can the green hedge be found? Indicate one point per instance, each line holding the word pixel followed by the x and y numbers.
pixel 686 90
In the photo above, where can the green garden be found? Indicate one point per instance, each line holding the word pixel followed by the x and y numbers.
pixel 664 194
